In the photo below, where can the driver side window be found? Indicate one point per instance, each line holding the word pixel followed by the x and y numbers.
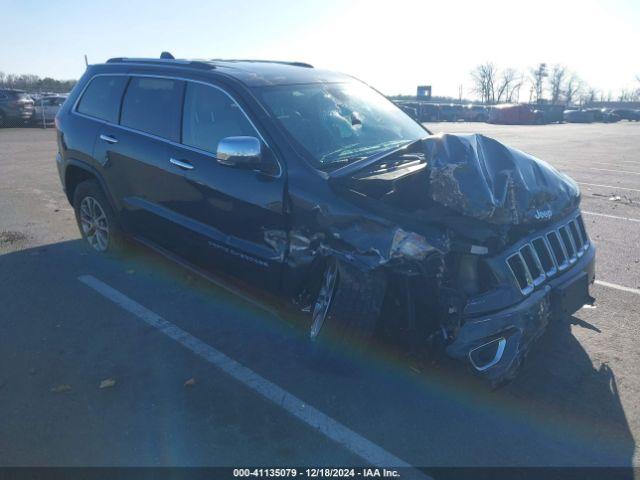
pixel 209 116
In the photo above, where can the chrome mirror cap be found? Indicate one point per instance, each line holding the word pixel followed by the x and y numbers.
pixel 239 152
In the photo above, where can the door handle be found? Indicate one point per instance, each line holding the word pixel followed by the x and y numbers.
pixel 108 138
pixel 181 164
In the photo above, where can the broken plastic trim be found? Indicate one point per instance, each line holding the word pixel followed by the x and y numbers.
pixel 409 245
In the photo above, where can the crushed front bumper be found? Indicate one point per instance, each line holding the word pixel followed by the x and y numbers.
pixel 496 344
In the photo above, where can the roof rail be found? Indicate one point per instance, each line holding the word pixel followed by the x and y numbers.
pixel 165 61
pixel 294 64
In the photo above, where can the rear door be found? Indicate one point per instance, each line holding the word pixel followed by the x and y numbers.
pixel 99 105
pixel 135 156
pixel 236 216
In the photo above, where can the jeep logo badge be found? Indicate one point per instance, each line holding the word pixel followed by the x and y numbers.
pixel 543 214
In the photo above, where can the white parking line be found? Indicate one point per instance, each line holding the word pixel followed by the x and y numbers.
pixel 324 424
pixel 616 171
pixel 618 287
pixel 613 164
pixel 608 186
pixel 611 216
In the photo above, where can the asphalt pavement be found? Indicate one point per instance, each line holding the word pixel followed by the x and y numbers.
pixel 194 369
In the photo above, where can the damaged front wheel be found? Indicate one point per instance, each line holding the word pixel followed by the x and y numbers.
pixel 348 305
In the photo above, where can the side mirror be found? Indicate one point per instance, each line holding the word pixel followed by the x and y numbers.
pixel 240 152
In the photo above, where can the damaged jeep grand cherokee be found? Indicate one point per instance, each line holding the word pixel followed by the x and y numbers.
pixel 314 186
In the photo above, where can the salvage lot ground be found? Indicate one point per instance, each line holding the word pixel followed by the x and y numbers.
pixel 575 402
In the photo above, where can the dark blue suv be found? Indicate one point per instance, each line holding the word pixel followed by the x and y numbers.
pixel 312 185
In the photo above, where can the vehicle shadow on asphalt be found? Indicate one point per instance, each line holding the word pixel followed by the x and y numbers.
pixel 560 380
pixel 559 386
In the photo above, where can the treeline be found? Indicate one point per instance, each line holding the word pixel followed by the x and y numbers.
pixel 555 84
pixel 35 84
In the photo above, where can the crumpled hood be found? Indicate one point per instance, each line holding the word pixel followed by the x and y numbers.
pixel 480 177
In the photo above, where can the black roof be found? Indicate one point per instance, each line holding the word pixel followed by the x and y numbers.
pixel 254 73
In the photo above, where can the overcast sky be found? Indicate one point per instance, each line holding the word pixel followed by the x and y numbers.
pixel 393 45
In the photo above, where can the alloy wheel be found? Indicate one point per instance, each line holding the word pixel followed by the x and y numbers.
pixel 325 296
pixel 94 223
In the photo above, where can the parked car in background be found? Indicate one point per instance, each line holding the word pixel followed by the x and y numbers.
pixel 451 113
pixel 429 112
pixel 512 114
pixel 409 109
pixel 578 116
pixel 627 114
pixel 16 107
pixel 549 114
pixel 475 113
pixel 603 115
pixel 46 108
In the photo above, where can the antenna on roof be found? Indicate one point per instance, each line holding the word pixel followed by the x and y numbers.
pixel 86 60
pixel 167 56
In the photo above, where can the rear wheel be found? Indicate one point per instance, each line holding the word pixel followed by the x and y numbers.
pixel 3 120
pixel 347 307
pixel 96 220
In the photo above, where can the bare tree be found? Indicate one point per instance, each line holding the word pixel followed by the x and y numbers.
pixel 556 81
pixel 591 96
pixel 585 95
pixel 538 76
pixel 514 93
pixel 629 95
pixel 572 89
pixel 484 79
pixel 505 85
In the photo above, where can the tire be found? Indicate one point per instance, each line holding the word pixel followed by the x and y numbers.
pixel 3 121
pixel 96 219
pixel 354 306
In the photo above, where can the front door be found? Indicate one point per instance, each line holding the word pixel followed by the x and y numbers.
pixel 235 213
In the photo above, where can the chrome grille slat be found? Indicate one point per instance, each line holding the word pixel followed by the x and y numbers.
pixel 543 250
pixel 521 272
pixel 569 245
pixel 546 255
pixel 558 249
pixel 583 231
pixel 577 237
pixel 534 266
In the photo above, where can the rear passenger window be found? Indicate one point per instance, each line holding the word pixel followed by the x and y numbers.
pixel 209 116
pixel 102 98
pixel 152 105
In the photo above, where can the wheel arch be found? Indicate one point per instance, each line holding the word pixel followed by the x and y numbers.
pixel 77 172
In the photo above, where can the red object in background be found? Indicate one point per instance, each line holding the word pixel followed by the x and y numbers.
pixel 512 114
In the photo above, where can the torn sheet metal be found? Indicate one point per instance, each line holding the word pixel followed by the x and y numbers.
pixel 481 178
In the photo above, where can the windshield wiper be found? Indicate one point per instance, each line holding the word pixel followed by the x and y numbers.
pixel 358 153
pixel 359 164
pixel 338 152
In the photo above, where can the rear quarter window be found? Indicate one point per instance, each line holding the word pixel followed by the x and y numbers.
pixel 153 105
pixel 102 98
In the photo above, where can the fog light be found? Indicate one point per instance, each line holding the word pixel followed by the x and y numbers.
pixel 487 355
